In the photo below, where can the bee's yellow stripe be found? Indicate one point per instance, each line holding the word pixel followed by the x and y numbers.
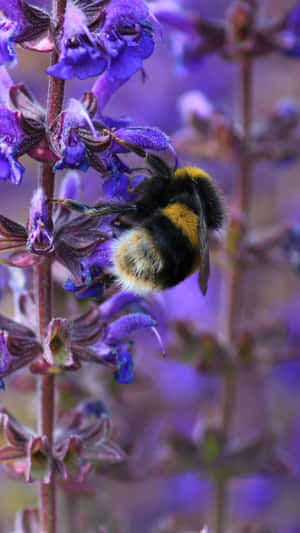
pixel 185 219
pixel 192 173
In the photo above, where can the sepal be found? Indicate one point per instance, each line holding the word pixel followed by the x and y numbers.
pixel 27 521
pixel 12 235
pixel 37 460
pixel 57 346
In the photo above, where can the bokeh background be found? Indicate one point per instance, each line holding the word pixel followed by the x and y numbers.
pixel 148 494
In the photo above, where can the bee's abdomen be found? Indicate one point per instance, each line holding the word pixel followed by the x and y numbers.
pixel 175 232
pixel 137 261
pixel 160 253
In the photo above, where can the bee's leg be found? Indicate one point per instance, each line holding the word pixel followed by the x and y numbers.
pixel 74 205
pixel 156 163
pixel 98 209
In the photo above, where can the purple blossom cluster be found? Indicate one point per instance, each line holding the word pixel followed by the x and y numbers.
pixel 110 39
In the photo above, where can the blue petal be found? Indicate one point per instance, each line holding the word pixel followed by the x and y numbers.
pixel 116 303
pixel 146 138
pixel 84 291
pixel 7 35
pixel 130 57
pixel 94 407
pixel 124 372
pixel 73 157
pixel 81 62
pixel 116 123
pixel 10 169
pixel 116 186
pixel 294 51
pixel 99 259
pixel 5 167
pixel 124 326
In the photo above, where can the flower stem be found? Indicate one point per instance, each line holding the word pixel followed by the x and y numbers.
pixel 233 282
pixel 43 284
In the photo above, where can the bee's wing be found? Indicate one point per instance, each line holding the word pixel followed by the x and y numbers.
pixel 204 270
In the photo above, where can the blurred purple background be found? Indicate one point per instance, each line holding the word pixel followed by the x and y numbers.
pixel 169 392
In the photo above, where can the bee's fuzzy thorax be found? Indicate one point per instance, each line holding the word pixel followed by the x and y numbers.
pixel 208 192
pixel 193 173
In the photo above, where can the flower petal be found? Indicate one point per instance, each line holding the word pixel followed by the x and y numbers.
pixel 124 371
pixel 124 326
pixel 114 305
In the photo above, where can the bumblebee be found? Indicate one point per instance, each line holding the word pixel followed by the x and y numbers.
pixel 167 239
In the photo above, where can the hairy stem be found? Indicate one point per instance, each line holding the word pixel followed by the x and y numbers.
pixel 233 281
pixel 43 283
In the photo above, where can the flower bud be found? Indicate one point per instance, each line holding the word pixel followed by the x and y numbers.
pixel 240 19
pixel 40 227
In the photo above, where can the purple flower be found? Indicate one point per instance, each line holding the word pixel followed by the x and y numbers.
pixel 74 153
pixel 74 138
pixel 118 185
pixel 122 328
pixel 19 22
pixel 40 226
pixel 126 36
pixel 117 303
pixel 8 31
pixel 70 147
pixel 92 273
pixel 80 140
pixel 95 408
pixel 10 138
pixel 104 88
pixel 292 35
pixel 89 288
pixel 117 39
pixel 145 138
pixel 124 372
pixel 80 56
pixel 291 247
